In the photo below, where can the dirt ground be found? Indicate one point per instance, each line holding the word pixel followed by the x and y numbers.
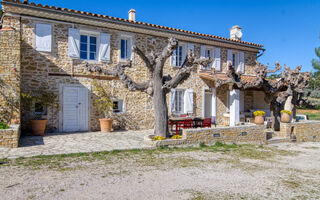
pixel 283 171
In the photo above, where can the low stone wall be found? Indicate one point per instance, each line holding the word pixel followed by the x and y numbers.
pixel 10 137
pixel 250 134
pixel 304 131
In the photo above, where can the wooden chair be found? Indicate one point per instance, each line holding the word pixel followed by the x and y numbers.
pixel 206 123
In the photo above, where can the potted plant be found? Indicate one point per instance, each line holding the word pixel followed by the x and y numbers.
pixel 38 100
pixel 286 116
pixel 104 104
pixel 258 119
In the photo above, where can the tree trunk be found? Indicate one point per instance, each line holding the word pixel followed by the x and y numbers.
pixel 275 114
pixel 161 126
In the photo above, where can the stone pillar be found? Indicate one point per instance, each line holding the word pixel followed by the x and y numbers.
pixel 234 107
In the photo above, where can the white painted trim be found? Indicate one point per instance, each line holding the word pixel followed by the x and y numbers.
pixel 61 87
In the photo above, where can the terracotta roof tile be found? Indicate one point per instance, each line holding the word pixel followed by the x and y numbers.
pixel 133 22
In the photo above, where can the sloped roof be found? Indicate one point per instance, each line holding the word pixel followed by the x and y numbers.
pixel 116 19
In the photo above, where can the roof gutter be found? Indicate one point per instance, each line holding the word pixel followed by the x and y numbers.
pixel 128 24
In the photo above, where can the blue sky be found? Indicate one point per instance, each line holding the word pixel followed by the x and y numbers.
pixel 288 29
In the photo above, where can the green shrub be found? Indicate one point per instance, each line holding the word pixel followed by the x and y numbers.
pixel 3 125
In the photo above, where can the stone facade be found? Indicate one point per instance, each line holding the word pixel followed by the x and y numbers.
pixel 252 134
pixel 9 76
pixel 56 69
pixel 304 131
pixel 10 137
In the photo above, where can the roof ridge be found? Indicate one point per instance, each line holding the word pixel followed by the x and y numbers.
pixel 26 2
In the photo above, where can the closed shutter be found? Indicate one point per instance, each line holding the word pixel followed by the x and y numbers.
pixel 172 101
pixel 217 59
pixel 74 43
pixel 104 52
pixel 174 58
pixel 43 37
pixel 214 106
pixel 203 54
pixel 188 101
pixel 229 57
pixel 241 64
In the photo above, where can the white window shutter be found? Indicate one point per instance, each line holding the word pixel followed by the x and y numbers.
pixel 202 54
pixel 74 43
pixel 190 46
pixel 214 105
pixel 172 101
pixel 217 59
pixel 129 48
pixel 43 37
pixel 229 56
pixel 104 51
pixel 188 101
pixel 174 58
pixel 242 67
pixel 212 64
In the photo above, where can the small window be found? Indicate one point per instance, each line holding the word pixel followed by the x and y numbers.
pixel 208 53
pixel 235 59
pixel 88 47
pixel 39 109
pixel 118 106
pixel 125 48
pixel 179 56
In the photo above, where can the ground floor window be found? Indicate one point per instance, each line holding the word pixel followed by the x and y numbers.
pixel 118 106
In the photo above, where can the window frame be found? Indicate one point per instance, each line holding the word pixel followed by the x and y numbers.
pixel 236 59
pixel 126 38
pixel 90 34
pixel 211 56
pixel 119 110
pixel 182 93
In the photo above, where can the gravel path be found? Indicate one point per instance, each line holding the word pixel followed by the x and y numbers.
pixel 60 143
pixel 282 171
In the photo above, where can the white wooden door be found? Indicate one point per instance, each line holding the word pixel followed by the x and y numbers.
pixel 75 109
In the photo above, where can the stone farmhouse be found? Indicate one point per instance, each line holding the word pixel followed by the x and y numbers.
pixel 48 47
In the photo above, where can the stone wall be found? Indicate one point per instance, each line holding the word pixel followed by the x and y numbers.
pixel 55 69
pixel 9 76
pixel 304 131
pixel 252 134
pixel 10 137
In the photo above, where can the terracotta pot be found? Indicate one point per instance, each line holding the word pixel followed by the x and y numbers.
pixel 106 125
pixel 258 120
pixel 285 118
pixel 38 127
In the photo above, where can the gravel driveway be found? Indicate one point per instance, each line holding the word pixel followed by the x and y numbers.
pixel 282 171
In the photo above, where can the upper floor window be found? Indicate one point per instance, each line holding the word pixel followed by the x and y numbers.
pixel 237 60
pixel 179 57
pixel 126 48
pixel 88 47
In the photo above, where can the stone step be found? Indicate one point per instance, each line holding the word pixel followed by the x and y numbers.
pixel 276 140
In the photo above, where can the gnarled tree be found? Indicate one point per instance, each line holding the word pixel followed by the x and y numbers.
pixel 288 88
pixel 159 84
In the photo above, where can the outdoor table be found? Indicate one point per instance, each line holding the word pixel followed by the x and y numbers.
pixel 197 121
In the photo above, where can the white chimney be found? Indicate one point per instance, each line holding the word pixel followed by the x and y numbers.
pixel 236 33
pixel 132 15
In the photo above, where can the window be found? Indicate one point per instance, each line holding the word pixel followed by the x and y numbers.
pixel 88 47
pixel 179 56
pixel 39 109
pixel 208 53
pixel 118 106
pixel 177 101
pixel 235 59
pixel 125 48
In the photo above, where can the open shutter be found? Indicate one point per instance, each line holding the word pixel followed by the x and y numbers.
pixel 43 37
pixel 229 56
pixel 212 64
pixel 172 101
pixel 174 58
pixel 188 101
pixel 129 49
pixel 217 59
pixel 74 43
pixel 190 46
pixel 241 64
pixel 203 54
pixel 104 52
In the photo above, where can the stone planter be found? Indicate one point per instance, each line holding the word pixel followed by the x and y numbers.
pixel 38 127
pixel 106 125
pixel 258 120
pixel 285 118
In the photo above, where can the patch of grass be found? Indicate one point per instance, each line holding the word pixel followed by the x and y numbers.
pixel 3 125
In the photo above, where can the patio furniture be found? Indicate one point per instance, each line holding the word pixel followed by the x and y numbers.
pixel 186 124
pixel 197 122
pixel 183 115
pixel 206 123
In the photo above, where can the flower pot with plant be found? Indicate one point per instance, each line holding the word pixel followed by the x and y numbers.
pixel 38 102
pixel 104 104
pixel 259 117
pixel 286 116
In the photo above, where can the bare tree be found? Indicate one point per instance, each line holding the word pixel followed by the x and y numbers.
pixel 288 88
pixel 159 84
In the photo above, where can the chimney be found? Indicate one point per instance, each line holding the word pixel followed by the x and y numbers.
pixel 132 15
pixel 236 33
